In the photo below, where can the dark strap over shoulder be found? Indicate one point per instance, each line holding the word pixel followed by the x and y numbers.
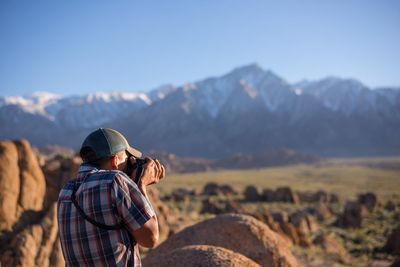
pixel 82 213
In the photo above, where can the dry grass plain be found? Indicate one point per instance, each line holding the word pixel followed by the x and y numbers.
pixel 345 177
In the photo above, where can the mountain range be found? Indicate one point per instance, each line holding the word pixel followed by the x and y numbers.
pixel 248 110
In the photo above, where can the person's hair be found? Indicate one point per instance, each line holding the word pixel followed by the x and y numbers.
pixel 88 155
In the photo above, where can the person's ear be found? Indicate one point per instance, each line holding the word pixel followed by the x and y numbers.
pixel 114 162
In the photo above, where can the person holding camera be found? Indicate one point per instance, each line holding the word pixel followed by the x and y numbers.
pixel 105 213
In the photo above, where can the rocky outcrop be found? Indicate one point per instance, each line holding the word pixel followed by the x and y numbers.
pixel 352 216
pixel 392 245
pixel 214 189
pixel 239 233
pixel 58 171
pixel 22 184
pixel 180 195
pixel 281 194
pixel 36 245
pixel 305 225
pixel 369 200
pixel 332 247
pixel 252 194
pixel 205 256
pixel 320 211
pixel 29 232
pixel 318 196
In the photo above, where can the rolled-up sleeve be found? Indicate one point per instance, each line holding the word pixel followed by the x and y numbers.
pixel 133 207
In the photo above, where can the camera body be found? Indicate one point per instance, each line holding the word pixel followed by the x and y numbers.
pixel 138 166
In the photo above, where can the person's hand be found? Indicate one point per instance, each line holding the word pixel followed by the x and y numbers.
pixel 153 172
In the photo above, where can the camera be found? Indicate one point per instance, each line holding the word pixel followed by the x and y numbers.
pixel 138 166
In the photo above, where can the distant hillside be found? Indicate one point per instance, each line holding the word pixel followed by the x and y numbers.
pixel 247 111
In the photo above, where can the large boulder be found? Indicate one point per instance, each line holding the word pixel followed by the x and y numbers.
pixel 252 194
pixel 205 256
pixel 305 225
pixel 36 245
pixel 369 200
pixel 320 211
pixel 240 233
pixel 392 245
pixel 22 184
pixel 286 194
pixel 58 171
pixel 352 216
pixel 214 189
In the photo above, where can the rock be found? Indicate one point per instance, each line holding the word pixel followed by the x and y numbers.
pixel 369 200
pixel 286 194
pixel 268 195
pixel 239 233
pixel 9 185
pixel 34 246
pixel 281 217
pixel 251 194
pixel 309 224
pixel 390 206
pixel 352 216
pixel 58 171
pixel 290 231
pixel 22 184
pixel 209 206
pixel 305 225
pixel 227 190
pixel 268 219
pixel 332 246
pixel 392 245
pixel 396 263
pixel 181 195
pixel 205 256
pixel 165 216
pixel 213 189
pixel 319 196
pixel 320 211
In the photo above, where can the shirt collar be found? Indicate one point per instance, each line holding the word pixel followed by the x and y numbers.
pixel 84 169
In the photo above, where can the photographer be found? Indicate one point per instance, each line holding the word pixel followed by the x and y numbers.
pixel 105 213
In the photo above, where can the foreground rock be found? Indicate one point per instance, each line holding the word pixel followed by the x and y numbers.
pixel 22 184
pixel 239 233
pixel 205 256
pixel 36 245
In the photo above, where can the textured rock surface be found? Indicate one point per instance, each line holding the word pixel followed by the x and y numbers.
pixel 332 247
pixel 36 245
pixel 240 233
pixel 352 216
pixel 205 256
pixel 22 184
pixel 58 171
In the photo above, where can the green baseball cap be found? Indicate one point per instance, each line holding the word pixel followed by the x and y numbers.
pixel 105 142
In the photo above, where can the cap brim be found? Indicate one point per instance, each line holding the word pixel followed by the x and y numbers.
pixel 134 152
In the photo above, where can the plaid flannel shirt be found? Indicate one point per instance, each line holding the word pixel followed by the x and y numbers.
pixel 109 197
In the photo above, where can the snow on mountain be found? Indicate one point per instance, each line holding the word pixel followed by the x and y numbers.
pixel 35 103
pixel 338 94
pixel 161 92
pixel 90 110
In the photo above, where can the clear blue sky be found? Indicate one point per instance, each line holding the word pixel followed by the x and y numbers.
pixel 76 47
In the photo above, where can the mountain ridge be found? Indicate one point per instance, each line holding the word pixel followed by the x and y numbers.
pixel 247 110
